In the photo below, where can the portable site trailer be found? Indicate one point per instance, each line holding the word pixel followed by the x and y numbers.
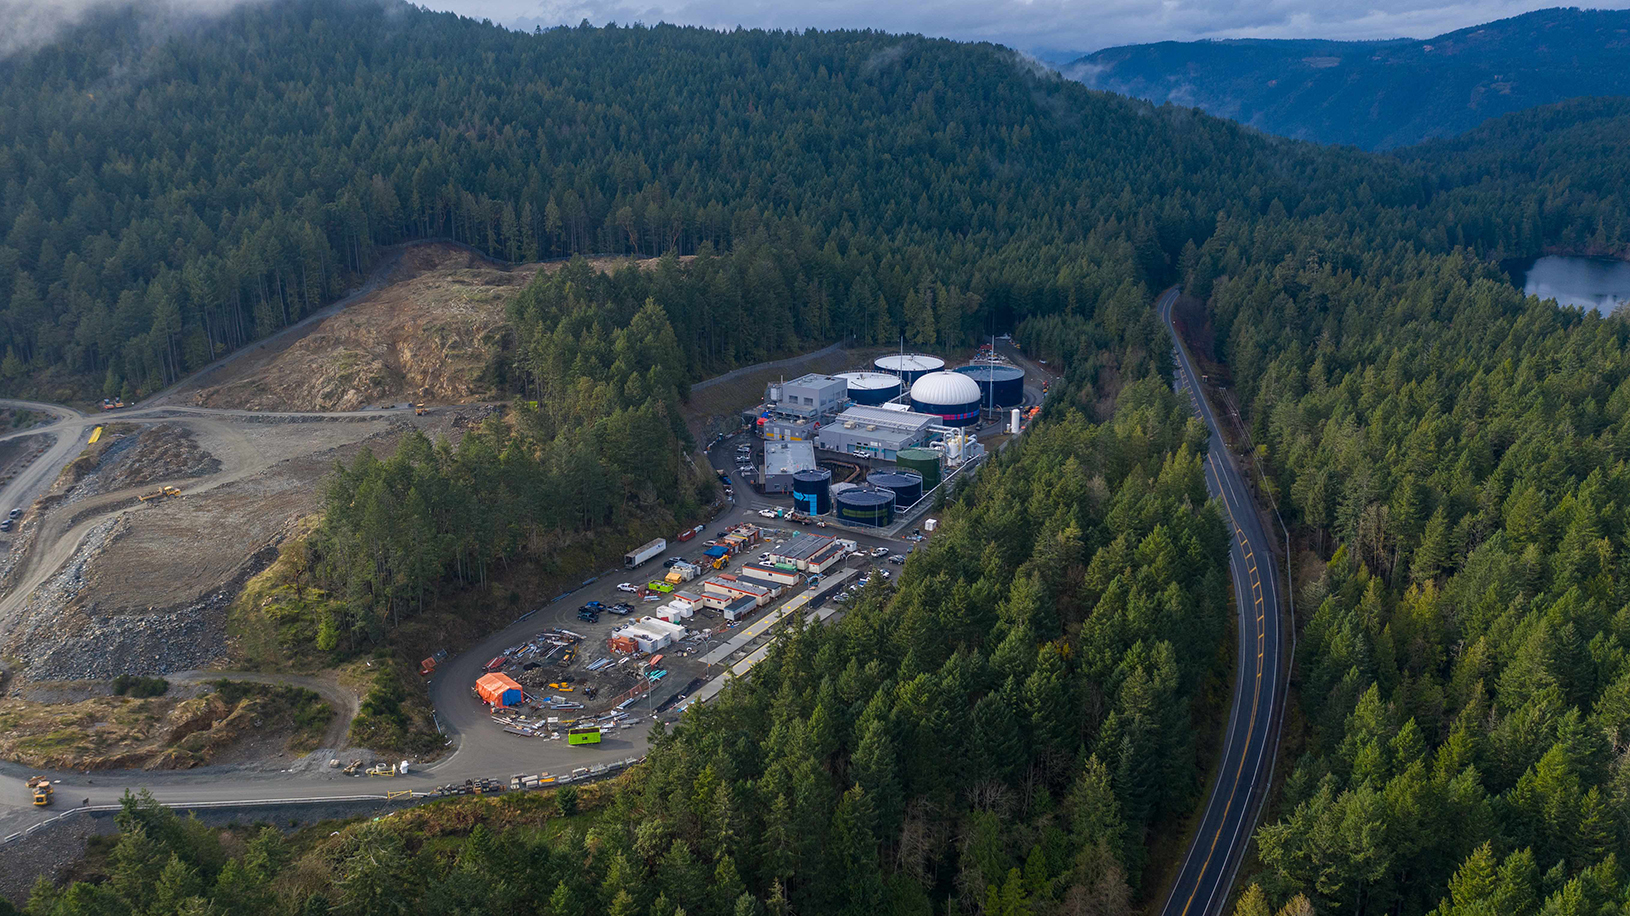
pixel 585 735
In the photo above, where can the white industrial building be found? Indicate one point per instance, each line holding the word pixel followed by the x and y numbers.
pixel 652 634
pixel 784 459
pixel 877 432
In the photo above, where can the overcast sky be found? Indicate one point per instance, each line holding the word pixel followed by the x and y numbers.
pixel 1048 25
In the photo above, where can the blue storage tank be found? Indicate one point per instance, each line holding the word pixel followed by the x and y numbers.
pixel 871 388
pixel 872 506
pixel 1001 386
pixel 812 491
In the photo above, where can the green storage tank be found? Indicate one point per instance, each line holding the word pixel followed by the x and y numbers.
pixel 924 461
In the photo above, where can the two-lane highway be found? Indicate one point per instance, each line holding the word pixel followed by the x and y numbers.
pixel 1245 768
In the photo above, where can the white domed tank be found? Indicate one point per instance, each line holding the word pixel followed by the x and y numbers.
pixel 951 396
pixel 871 388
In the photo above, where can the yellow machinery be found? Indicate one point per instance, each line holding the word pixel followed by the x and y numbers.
pixel 41 787
pixel 419 410
pixel 159 494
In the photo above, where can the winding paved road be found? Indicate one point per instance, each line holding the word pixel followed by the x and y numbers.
pixel 1245 768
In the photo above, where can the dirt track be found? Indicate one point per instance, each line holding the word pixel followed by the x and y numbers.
pixel 327 686
pixel 141 587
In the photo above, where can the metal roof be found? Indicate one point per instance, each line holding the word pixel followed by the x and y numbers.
pixel 801 546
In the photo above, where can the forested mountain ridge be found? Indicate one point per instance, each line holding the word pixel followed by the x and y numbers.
pixel 1002 732
pixel 1379 94
pixel 167 201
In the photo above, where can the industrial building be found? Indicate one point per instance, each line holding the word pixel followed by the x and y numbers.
pixel 651 634
pixel 877 432
pixel 782 577
pixel 953 398
pixel 719 591
pixel 872 388
pixel 809 395
pixel 909 366
pixel 793 411
pixel 1000 385
pixel 739 609
pixel 782 461
pixel 796 550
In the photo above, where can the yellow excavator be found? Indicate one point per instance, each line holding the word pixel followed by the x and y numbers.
pixel 41 787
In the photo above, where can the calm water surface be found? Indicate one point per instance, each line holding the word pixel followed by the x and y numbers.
pixel 1598 283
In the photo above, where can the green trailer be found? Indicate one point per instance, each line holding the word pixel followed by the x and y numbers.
pixel 586 735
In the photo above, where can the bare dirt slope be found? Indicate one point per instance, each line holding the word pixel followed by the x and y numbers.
pixel 426 332
pixel 426 336
pixel 123 586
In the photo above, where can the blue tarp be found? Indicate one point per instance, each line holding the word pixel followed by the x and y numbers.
pixel 717 551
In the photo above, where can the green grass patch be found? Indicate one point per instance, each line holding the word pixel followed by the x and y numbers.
pixel 298 707
pixel 395 714
pixel 141 688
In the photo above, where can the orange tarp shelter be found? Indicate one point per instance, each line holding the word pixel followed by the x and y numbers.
pixel 499 689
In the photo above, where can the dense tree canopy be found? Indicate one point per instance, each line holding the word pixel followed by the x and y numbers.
pixel 169 199
pixel 1006 727
pixel 1457 454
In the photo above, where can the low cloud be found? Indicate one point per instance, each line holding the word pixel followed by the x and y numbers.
pixel 28 24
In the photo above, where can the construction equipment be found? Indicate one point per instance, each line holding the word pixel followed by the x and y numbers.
pixel 419 410
pixel 41 787
pixel 160 494
pixel 382 769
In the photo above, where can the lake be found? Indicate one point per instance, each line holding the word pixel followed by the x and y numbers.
pixel 1602 284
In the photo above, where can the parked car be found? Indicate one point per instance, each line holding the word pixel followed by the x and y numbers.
pixel 5 525
pixel 668 563
pixel 16 513
pixel 897 559
pixel 594 606
pixel 588 616
pixel 625 587
pixel 880 552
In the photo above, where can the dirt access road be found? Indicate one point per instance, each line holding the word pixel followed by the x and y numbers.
pixel 327 686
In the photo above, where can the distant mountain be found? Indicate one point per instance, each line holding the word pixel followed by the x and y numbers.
pixel 1379 94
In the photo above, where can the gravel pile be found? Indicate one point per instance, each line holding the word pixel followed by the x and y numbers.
pixel 161 452
pixel 147 644
pixel 108 645
pixel 46 853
